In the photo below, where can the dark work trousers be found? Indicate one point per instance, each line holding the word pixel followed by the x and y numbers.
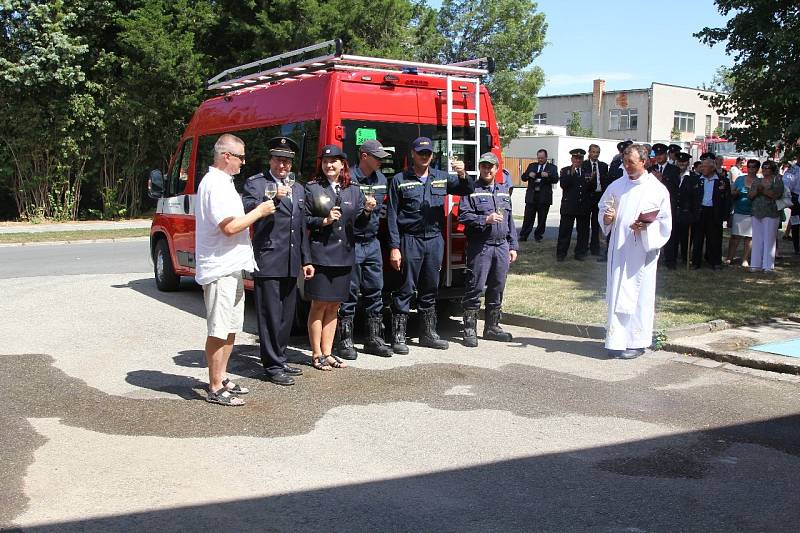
pixel 487 266
pixel 708 231
pixel 422 260
pixel 594 240
pixel 795 227
pixel 276 299
pixel 367 280
pixel 565 235
pixel 678 241
pixel 532 213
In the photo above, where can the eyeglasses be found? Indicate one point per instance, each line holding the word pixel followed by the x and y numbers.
pixel 240 157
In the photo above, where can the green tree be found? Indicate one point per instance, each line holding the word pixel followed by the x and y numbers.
pixel 510 31
pixel 575 127
pixel 763 36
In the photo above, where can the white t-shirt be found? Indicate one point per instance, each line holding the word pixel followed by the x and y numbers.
pixel 735 172
pixel 216 254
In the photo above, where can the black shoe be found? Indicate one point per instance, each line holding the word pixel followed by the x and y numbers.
pixel 281 378
pixel 595 252
pixel 602 259
pixel 399 323
pixel 491 327
pixel 343 342
pixel 537 238
pixel 631 353
pixel 470 328
pixel 613 354
pixel 374 343
pixel 430 338
pixel 716 268
pixel 581 257
pixel 560 258
pixel 292 370
pixel 521 238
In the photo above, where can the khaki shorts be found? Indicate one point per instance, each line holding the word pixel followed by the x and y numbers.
pixel 224 305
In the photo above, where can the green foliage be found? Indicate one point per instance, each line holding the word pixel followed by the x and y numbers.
pixel 575 128
pixel 763 36
pixel 659 339
pixel 675 134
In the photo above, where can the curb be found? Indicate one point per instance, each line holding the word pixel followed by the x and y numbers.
pixel 76 241
pixel 754 360
pixel 554 326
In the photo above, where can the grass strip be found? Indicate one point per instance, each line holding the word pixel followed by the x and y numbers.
pixel 72 235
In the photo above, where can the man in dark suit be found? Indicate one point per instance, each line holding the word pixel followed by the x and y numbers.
pixel 576 206
pixel 280 247
pixel 682 184
pixel 540 176
pixel 714 194
pixel 659 161
pixel 615 169
pixel 599 172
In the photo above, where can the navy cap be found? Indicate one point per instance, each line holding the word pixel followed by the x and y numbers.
pixel 282 147
pixel 660 148
pixel 489 157
pixel 683 157
pixel 580 152
pixel 674 148
pixel 375 148
pixel 422 144
pixel 331 150
pixel 708 155
pixel 623 144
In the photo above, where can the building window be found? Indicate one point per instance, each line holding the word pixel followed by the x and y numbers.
pixel 708 125
pixel 540 119
pixel 724 124
pixel 684 121
pixel 623 119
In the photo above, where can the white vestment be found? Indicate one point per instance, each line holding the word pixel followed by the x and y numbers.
pixel 632 258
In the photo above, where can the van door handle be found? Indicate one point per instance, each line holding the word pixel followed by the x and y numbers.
pixel 186 204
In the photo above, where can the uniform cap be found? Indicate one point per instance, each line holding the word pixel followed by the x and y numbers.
pixel 623 144
pixel 673 148
pixel 683 157
pixel 578 151
pixel 375 148
pixel 422 144
pixel 708 155
pixel 331 150
pixel 660 148
pixel 489 157
pixel 282 147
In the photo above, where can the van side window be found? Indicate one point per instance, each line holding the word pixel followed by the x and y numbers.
pixel 305 134
pixel 179 173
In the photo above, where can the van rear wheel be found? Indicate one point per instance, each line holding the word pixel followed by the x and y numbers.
pixel 166 278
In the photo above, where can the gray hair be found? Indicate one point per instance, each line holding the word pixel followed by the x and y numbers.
pixel 227 143
pixel 642 150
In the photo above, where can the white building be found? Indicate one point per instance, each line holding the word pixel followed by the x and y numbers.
pixel 644 115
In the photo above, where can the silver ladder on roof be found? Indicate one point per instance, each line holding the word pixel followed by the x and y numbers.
pixel 470 89
pixel 329 55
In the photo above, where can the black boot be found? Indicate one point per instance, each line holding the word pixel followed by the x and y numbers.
pixel 491 327
pixel 343 342
pixel 399 322
pixel 429 337
pixel 374 343
pixel 470 328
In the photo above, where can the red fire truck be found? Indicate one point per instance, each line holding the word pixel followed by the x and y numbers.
pixel 319 95
pixel 719 146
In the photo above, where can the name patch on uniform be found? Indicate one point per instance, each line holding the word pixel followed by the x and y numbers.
pixel 477 194
pixel 409 184
pixel 438 183
pixel 504 194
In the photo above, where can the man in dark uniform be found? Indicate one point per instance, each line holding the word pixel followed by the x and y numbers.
pixel 576 206
pixel 615 169
pixel 673 151
pixel 659 161
pixel 599 172
pixel 416 217
pixel 540 176
pixel 682 185
pixel 491 248
pixel 714 194
pixel 280 248
pixel 367 277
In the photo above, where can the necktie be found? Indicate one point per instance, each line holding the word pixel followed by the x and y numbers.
pixel 597 175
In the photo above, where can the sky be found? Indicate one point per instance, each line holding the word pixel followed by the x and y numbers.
pixel 588 39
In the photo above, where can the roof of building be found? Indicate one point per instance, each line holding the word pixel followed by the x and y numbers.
pixel 590 93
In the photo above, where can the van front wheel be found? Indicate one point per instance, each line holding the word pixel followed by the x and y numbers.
pixel 166 278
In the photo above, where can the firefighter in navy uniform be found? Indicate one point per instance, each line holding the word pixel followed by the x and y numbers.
pixel 280 247
pixel 415 217
pixel 491 247
pixel 576 207
pixel 683 185
pixel 367 278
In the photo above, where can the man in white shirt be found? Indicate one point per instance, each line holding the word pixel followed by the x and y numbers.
pixel 222 252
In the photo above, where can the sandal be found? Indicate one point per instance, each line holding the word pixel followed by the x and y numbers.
pixel 223 397
pixel 234 388
pixel 336 363
pixel 319 363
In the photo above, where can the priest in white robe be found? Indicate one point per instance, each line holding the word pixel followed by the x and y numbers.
pixel 633 252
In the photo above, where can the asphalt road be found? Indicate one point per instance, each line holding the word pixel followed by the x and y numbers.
pixel 104 427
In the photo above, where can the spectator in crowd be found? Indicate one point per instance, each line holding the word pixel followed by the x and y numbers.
pixel 719 161
pixel 714 193
pixel 736 169
pixel 742 228
pixel 540 176
pixel 576 207
pixel 766 217
pixel 599 172
pixel 682 185
pixel 793 182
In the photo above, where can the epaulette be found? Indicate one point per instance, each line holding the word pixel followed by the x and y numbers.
pixel 259 175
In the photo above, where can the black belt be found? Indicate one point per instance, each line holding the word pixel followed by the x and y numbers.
pixel 364 240
pixel 496 243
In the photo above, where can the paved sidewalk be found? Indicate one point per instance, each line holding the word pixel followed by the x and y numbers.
pixel 89 225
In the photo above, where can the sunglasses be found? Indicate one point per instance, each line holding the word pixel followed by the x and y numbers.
pixel 240 157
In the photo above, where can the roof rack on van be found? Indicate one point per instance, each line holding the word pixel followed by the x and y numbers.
pixel 330 55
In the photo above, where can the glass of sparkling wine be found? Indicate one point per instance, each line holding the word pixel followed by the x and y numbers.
pixel 271 189
pixel 290 179
pixel 611 202
pixel 369 193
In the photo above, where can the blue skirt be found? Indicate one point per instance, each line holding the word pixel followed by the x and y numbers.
pixel 329 284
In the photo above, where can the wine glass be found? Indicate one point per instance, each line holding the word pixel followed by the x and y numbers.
pixel 611 202
pixel 369 192
pixel 271 189
pixel 290 179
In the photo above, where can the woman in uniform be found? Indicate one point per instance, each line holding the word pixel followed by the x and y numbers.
pixel 333 208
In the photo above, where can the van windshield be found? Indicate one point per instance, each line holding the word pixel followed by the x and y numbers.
pixel 396 137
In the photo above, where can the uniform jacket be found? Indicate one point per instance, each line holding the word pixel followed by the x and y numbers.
pixel 602 174
pixel 473 210
pixel 417 207
pixel 280 245
pixel 334 244
pixel 578 193
pixel 615 170
pixel 545 193
pixel 721 198
pixel 380 188
pixel 683 195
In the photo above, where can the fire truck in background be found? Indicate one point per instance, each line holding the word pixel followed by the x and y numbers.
pixel 319 95
pixel 721 147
